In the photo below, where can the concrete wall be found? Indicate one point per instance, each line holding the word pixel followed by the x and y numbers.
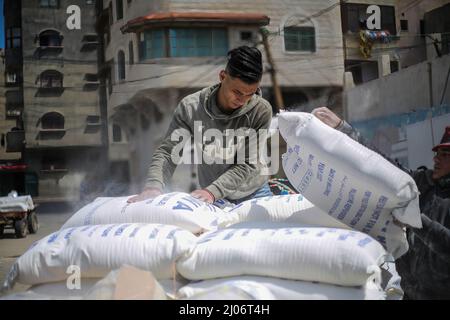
pixel 398 114
pixel 400 92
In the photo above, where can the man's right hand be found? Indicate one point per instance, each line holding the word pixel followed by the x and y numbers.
pixel 148 193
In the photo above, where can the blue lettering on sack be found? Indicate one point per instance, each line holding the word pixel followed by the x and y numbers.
pixel 376 214
pixel 164 200
pixel 68 234
pixel 339 198
pixel 53 237
pixel 182 206
pixel 120 230
pixel 306 180
pixel 245 233
pixel 320 234
pixel 343 236
pixel 296 165
pixel 329 182
pixel 92 231
pixel 149 201
pixel 172 233
pixel 211 207
pixel 287 231
pixel 154 233
pixel 310 160
pixel 192 200
pixel 348 205
pixel 106 231
pixel 86 228
pixel 303 231
pixel 238 206
pixel 320 171
pixel 134 232
pixel 364 204
pixel 297 149
pixel 229 235
pixel 364 242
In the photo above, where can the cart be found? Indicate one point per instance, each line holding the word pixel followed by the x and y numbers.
pixel 19 213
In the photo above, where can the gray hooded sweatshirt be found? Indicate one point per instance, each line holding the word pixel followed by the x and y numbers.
pixel 230 178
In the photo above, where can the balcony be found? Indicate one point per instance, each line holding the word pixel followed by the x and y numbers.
pixel 90 42
pixel 92 82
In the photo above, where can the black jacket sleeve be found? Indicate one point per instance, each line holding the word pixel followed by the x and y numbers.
pixel 433 234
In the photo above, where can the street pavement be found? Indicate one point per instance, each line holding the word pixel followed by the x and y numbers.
pixel 51 217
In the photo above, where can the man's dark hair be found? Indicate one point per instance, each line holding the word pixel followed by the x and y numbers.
pixel 245 63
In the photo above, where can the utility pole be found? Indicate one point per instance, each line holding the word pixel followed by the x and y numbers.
pixel 279 104
pixel 276 88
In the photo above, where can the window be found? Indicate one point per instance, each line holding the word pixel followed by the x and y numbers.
pixel 52 120
pixel 121 64
pixel 354 18
pixel 404 25
pixel 299 39
pixel 50 38
pixel 198 42
pixel 13 38
pixel 119 9
pixel 131 52
pixel 152 44
pixel 117 133
pixel 51 79
pixel 49 3
pixel 183 42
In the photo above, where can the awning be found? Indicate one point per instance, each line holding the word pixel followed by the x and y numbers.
pixel 161 19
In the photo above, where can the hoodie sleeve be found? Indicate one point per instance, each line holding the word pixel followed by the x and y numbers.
pixel 162 165
pixel 237 174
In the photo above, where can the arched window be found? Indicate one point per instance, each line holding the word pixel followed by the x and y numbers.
pixel 52 120
pixel 117 133
pixel 131 52
pixel 51 79
pixel 50 38
pixel 121 64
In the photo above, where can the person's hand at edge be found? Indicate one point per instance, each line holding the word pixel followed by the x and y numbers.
pixel 328 117
pixel 148 193
pixel 203 195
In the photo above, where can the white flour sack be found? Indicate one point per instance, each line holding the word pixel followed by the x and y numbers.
pixel 291 209
pixel 268 288
pixel 336 256
pixel 178 209
pixel 93 251
pixel 349 181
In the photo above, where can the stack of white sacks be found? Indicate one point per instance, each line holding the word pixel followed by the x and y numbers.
pixel 332 246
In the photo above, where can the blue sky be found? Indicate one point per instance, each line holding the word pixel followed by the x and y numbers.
pixel 2 32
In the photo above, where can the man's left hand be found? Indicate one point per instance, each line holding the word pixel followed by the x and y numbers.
pixel 203 195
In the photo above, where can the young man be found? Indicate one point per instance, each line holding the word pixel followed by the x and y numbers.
pixel 235 103
pixel 425 268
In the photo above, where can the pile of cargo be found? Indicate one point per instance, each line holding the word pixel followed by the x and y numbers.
pixel 333 240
